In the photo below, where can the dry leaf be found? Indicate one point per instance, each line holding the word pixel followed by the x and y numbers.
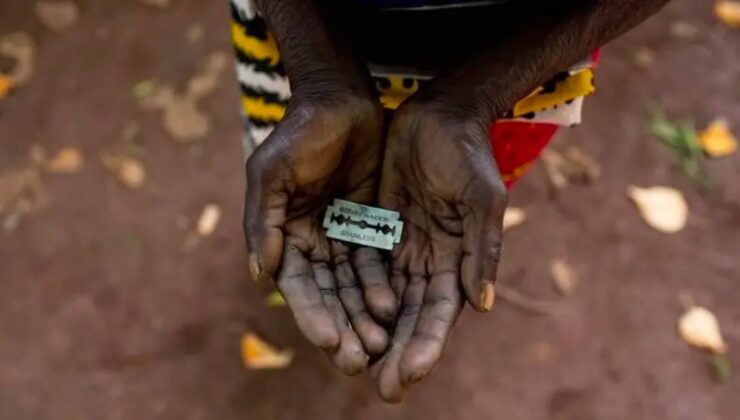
pixel 184 121
pixel 13 185
pixel 644 57
pixel 663 208
pixel 195 33
pixel 205 83
pixel 20 47
pixel 21 192
pixel 569 167
pixel 717 140
pixel 208 220
pixel 182 118
pixel 57 15
pixel 258 354
pixel 728 12
pixel 563 276
pixel 37 154
pixel 69 160
pixel 684 30
pixel 514 216
pixel 699 327
pixel 128 170
pixel 275 299
pixel 5 84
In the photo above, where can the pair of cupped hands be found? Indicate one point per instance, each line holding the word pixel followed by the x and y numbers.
pixel 387 312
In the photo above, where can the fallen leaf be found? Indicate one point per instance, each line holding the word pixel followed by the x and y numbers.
pixel 161 4
pixel 21 192
pixel 569 167
pixel 644 57
pixel 128 170
pixel 699 327
pixel 684 30
pixel 258 354
pixel 717 140
pixel 5 84
pixel 662 208
pixel 563 276
pixel 144 88
pixel 183 120
pixel 195 33
pixel 680 136
pixel 69 160
pixel 36 155
pixel 722 368
pixel 208 220
pixel 275 299
pixel 205 83
pixel 20 47
pixel 513 216
pixel 57 15
pixel 728 12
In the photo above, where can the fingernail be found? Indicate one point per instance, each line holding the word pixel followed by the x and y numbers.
pixel 254 267
pixel 487 296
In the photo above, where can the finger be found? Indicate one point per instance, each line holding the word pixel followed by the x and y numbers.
pixel 376 367
pixel 390 386
pixel 482 226
pixel 379 296
pixel 442 305
pixel 264 212
pixel 374 338
pixel 297 285
pixel 398 282
pixel 350 357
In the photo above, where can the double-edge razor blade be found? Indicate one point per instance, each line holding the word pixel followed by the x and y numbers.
pixel 363 225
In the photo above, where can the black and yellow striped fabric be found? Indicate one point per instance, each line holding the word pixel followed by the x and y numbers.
pixel 265 88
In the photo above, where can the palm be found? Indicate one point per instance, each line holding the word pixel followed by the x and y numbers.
pixel 315 155
pixel 442 179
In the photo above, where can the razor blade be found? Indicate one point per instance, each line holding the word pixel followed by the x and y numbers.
pixel 363 225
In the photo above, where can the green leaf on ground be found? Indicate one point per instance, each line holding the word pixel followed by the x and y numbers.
pixel 680 136
pixel 275 299
pixel 722 368
pixel 144 88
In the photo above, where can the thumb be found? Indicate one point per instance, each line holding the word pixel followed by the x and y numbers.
pixel 482 237
pixel 264 214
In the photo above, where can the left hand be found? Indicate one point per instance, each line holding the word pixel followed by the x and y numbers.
pixel 322 149
pixel 439 173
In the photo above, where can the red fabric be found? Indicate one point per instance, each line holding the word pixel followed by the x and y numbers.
pixel 516 145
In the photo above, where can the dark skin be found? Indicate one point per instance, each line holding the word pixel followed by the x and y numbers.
pixel 437 171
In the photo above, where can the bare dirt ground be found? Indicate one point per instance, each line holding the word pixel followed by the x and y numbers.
pixel 103 315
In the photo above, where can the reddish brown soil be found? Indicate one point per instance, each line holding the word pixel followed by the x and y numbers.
pixel 104 316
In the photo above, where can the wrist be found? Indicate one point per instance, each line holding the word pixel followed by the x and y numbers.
pixel 320 83
pixel 459 105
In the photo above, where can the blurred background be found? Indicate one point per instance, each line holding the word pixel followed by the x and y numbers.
pixel 124 292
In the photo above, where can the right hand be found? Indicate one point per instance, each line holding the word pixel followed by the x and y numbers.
pixel 327 146
pixel 440 175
